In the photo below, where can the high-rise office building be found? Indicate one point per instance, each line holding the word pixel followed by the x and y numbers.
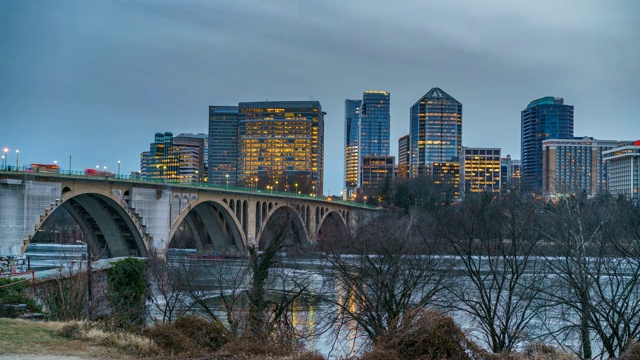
pixel 205 138
pixel 179 159
pixel 576 165
pixel 403 157
pixel 509 175
pixel 351 134
pixel 367 129
pixel 281 144
pixel 223 145
pixel 480 170
pixel 435 131
pixel 446 179
pixel 374 170
pixel 544 118
pixel 374 123
pixel 624 170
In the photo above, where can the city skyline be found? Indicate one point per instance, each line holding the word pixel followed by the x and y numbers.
pixel 95 81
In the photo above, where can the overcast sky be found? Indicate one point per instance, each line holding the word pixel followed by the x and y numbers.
pixel 97 79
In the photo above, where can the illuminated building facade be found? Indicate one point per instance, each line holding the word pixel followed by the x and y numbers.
pixel 446 178
pixel 280 145
pixel 403 158
pixel 544 118
pixel 480 170
pixel 575 166
pixel 374 170
pixel 624 170
pixel 205 156
pixel 435 131
pixel 223 145
pixel 351 118
pixel 179 159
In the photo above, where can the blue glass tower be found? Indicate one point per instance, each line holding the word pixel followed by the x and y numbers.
pixel 435 133
pixel 375 124
pixel 544 118
pixel 223 144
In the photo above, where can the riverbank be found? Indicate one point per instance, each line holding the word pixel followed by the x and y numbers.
pixel 40 340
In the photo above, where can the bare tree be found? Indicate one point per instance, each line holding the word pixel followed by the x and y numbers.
pixel 494 242
pixel 381 274
pixel 596 274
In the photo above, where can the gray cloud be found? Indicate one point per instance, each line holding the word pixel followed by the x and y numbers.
pixel 96 80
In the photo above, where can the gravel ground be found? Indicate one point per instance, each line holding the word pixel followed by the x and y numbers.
pixel 39 357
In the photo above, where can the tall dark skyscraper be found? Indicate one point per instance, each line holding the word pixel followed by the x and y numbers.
pixel 544 118
pixel 223 144
pixel 281 145
pixel 435 131
pixel 351 118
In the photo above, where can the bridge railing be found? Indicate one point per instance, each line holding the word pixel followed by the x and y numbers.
pixel 200 185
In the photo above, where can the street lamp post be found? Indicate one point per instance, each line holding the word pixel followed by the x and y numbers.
pixel 2 161
pixel 227 176
pixel 5 158
pixel 69 164
pixel 296 188
pixel 118 169
pixel 17 158
pixel 276 186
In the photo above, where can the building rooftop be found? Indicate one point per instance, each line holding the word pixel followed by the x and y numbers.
pixel 547 100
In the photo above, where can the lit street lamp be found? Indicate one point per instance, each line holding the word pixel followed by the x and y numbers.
pixel 296 188
pixel 5 158
pixel 118 169
pixel 276 186
pixel 227 176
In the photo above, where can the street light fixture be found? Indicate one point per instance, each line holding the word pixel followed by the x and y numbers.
pixel 276 186
pixel 227 176
pixel 118 169
pixel 296 188
pixel 5 158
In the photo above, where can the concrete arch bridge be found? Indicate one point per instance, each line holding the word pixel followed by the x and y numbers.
pixel 133 217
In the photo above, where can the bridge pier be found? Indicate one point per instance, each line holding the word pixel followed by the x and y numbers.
pixel 22 203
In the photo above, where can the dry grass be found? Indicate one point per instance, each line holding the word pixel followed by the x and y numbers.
pixel 28 337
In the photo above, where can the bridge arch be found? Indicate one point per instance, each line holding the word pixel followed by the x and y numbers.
pixel 104 218
pixel 214 226
pixel 332 222
pixel 285 221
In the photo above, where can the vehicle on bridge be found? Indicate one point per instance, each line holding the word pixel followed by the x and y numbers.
pixel 94 172
pixel 45 168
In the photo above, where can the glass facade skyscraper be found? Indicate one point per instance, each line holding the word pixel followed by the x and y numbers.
pixel 223 144
pixel 281 144
pixel 544 118
pixel 367 132
pixel 435 131
pixel 351 118
pixel 375 124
